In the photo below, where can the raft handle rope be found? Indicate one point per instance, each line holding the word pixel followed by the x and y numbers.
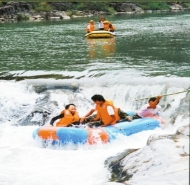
pixel 165 95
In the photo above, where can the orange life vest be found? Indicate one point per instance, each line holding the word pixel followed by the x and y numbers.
pixel 103 113
pixel 90 28
pixel 67 119
pixel 106 26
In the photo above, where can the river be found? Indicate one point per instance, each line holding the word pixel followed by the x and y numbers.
pixel 49 64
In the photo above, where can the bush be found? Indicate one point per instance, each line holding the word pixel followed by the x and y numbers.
pixel 43 7
pixel 154 6
pixel 97 6
pixel 186 5
pixel 22 17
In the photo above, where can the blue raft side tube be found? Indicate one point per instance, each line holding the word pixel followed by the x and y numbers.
pixel 72 135
pixel 138 125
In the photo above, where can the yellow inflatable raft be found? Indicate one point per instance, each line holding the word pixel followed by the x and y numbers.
pixel 100 34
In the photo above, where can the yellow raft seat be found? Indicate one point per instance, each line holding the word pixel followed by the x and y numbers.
pixel 100 34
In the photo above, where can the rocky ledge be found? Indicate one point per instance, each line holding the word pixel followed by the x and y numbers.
pixel 165 160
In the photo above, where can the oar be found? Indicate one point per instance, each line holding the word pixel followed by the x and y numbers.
pixel 164 95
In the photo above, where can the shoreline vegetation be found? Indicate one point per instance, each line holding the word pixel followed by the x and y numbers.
pixel 19 11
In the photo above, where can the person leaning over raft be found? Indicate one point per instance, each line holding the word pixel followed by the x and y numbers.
pixel 150 109
pixel 90 26
pixel 106 115
pixel 68 117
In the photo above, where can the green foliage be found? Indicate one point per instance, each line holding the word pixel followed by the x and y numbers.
pixel 22 17
pixel 2 3
pixel 97 6
pixel 111 10
pixel 72 12
pixel 154 6
pixel 43 7
pixel 186 5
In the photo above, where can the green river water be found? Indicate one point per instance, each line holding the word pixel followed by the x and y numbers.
pixel 153 44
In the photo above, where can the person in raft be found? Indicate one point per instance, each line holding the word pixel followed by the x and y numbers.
pixel 90 26
pixel 107 113
pixel 108 26
pixel 150 109
pixel 101 25
pixel 68 117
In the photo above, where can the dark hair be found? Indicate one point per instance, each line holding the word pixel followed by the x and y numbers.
pixel 152 99
pixel 98 97
pixel 67 106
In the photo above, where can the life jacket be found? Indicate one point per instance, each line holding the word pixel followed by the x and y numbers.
pixel 67 119
pixel 106 26
pixel 90 28
pixel 103 113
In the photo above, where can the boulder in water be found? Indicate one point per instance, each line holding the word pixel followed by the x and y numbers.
pixel 165 157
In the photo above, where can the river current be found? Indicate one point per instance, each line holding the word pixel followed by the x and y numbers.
pixel 46 65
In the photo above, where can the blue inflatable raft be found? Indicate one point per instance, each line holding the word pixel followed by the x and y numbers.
pixel 64 135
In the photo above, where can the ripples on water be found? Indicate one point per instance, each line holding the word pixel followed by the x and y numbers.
pixel 157 44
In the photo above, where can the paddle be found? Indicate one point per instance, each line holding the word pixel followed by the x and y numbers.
pixel 164 95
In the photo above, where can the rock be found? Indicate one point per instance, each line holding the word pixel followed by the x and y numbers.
pixel 15 7
pixel 40 114
pixel 61 6
pixel 113 164
pixel 176 7
pixel 126 7
pixel 2 19
pixel 183 130
pixel 54 17
pixel 163 161
pixel 37 17
pixel 58 15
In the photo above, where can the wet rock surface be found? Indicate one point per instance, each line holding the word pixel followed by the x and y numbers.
pixel 165 156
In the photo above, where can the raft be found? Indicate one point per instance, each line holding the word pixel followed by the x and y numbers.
pixel 100 34
pixel 65 135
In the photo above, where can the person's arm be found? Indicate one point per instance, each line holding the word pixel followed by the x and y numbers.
pixel 152 104
pixel 88 114
pixel 55 118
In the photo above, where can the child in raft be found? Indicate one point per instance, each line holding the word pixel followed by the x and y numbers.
pixel 68 117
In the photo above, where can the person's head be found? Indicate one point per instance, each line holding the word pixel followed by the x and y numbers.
pixel 151 100
pixel 71 107
pixel 106 22
pixel 98 99
pixel 91 22
pixel 102 19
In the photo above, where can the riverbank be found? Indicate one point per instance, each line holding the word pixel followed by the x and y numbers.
pixel 18 11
